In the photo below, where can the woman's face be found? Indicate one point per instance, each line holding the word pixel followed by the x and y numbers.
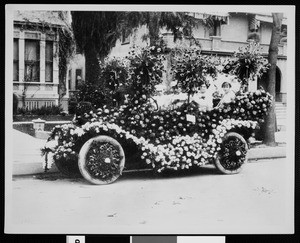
pixel 203 88
pixel 226 89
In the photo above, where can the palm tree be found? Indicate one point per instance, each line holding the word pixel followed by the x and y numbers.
pixel 95 34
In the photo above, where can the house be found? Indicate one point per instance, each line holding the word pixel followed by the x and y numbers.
pixel 230 31
pixel 76 73
pixel 36 58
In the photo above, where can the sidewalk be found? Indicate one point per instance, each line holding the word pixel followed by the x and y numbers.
pixel 27 154
pixel 27 157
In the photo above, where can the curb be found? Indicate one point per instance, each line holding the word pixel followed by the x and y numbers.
pixel 29 160
pixel 266 153
pixel 34 165
pixel 31 169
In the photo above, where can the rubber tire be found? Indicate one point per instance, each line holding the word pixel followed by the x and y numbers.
pixel 82 161
pixel 218 163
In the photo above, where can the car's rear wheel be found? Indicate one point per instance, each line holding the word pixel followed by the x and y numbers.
pixel 101 160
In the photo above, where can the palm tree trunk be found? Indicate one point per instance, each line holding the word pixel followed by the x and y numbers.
pixel 92 66
pixel 153 27
pixel 270 124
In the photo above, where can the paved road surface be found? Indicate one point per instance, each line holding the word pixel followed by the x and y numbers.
pixel 258 200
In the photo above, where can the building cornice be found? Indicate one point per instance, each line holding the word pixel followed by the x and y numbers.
pixel 230 53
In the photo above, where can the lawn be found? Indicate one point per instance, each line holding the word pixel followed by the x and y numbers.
pixel 28 127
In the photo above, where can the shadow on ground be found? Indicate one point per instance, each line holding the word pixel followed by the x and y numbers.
pixel 132 175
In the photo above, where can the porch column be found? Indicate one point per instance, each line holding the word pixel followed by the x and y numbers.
pixel 42 61
pixel 55 69
pixel 21 58
pixel 216 42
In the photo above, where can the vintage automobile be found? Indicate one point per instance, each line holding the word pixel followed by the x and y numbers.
pixel 102 144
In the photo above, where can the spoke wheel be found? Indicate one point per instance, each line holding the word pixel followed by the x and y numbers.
pixel 233 154
pixel 101 160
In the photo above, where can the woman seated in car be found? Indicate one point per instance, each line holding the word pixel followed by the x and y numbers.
pixel 203 98
pixel 228 95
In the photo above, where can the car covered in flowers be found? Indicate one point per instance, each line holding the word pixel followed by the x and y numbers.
pixel 107 139
pixel 103 143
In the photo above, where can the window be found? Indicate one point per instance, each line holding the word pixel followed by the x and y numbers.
pixel 32 61
pixel 125 37
pixel 215 30
pixel 283 34
pixel 69 79
pixel 49 61
pixel 16 60
pixel 78 73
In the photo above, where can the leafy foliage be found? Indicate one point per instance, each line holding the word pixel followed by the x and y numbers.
pixel 180 23
pixel 247 64
pixel 66 50
pixel 145 71
pixel 98 30
pixel 115 76
pixel 115 73
pixel 191 68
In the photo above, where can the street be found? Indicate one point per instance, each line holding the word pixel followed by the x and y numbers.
pixel 257 200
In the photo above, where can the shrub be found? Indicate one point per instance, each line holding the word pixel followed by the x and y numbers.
pixel 41 111
pixel 72 106
pixel 15 104
pixel 93 93
pixel 114 75
pixel 82 109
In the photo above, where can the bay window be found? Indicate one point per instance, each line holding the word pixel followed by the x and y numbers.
pixel 49 61
pixel 16 60
pixel 32 61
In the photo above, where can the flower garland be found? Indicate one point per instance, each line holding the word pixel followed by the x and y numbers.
pixel 164 138
pixel 182 153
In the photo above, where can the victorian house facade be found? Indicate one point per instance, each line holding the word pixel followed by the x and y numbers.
pixel 36 60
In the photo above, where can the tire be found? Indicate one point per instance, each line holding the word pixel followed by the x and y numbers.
pixel 101 160
pixel 232 143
